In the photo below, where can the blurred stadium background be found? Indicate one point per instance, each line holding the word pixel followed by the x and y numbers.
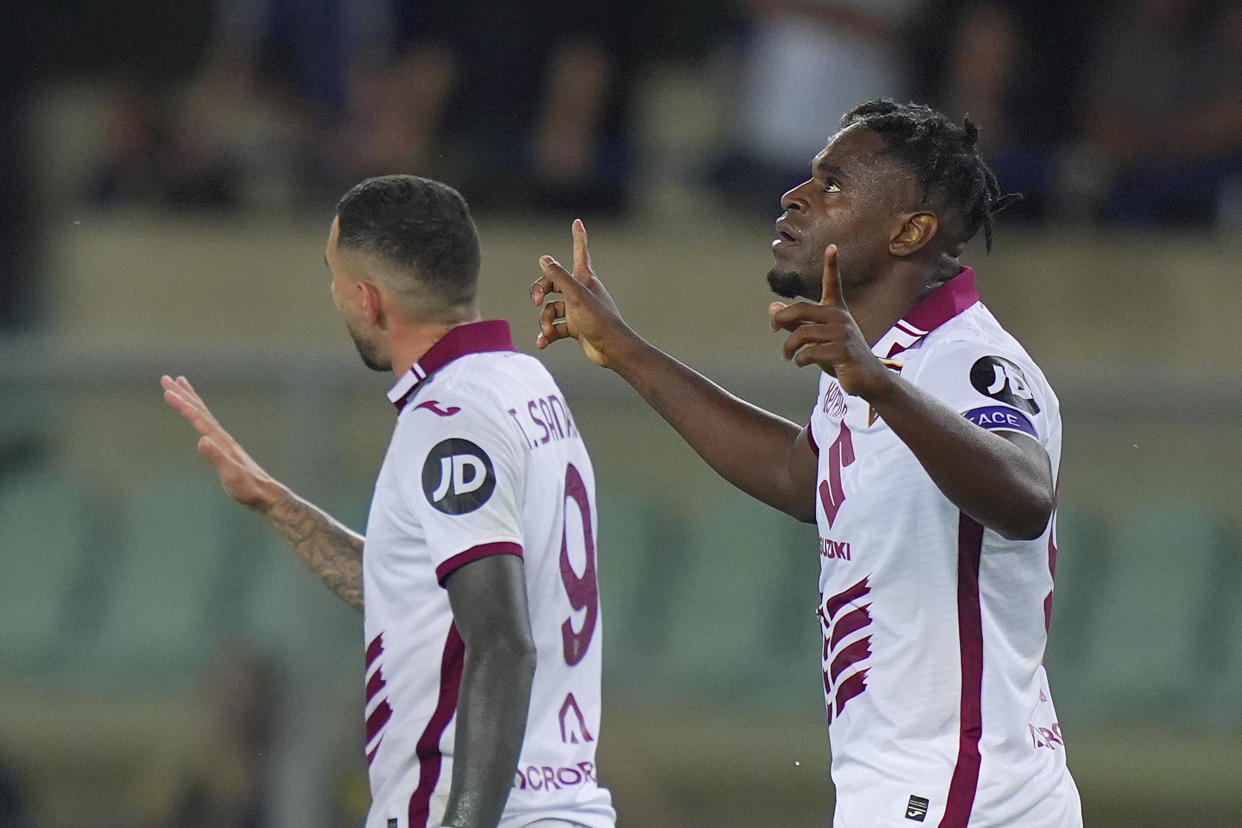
pixel 167 182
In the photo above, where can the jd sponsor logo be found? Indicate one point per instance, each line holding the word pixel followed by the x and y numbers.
pixel 458 476
pixel 1000 379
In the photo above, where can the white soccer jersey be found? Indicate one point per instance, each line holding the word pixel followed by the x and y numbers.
pixel 934 627
pixel 485 460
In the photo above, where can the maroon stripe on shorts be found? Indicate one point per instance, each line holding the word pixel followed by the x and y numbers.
pixel 965 781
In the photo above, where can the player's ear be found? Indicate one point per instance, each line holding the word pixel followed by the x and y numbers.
pixel 372 302
pixel 913 233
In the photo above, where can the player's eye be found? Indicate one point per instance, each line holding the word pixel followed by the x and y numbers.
pixel 831 186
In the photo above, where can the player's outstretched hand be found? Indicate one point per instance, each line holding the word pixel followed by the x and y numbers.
pixel 242 478
pixel 584 312
pixel 826 335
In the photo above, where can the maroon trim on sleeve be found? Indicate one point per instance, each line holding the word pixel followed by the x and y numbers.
pixel 810 438
pixel 473 554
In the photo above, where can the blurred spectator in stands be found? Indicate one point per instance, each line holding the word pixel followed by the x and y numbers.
pixel 539 113
pixel 278 77
pixel 23 419
pixel 14 809
pixel 20 32
pixel 1012 66
pixel 1163 116
pixel 532 104
pixel 804 64
pixel 227 776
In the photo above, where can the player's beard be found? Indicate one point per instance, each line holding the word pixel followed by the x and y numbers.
pixel 789 284
pixel 369 351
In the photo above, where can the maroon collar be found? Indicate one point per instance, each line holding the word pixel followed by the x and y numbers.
pixel 472 338
pixel 944 303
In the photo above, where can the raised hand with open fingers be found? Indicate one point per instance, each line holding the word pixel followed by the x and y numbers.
pixel 584 312
pixel 825 334
pixel 242 478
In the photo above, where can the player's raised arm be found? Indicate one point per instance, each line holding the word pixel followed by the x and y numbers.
pixel 764 455
pixel 488 598
pixel 326 546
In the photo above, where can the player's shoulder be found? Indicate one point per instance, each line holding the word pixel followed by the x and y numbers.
pixel 971 334
pixel 975 351
pixel 450 402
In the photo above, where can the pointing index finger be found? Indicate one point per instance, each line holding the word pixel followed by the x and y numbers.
pixel 583 271
pixel 832 280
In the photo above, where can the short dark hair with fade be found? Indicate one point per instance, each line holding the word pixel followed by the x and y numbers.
pixel 946 157
pixel 421 226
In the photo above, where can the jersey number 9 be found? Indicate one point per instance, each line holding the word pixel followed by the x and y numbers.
pixel 582 589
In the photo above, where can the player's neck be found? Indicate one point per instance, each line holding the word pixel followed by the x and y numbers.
pixel 883 302
pixel 414 339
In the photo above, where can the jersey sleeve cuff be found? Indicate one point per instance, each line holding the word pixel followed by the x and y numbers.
pixel 473 554
pixel 810 438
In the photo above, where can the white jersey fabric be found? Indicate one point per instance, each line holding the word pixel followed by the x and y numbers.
pixel 485 460
pixel 934 627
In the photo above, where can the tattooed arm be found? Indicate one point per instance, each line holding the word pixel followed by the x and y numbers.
pixel 329 549
pixel 326 546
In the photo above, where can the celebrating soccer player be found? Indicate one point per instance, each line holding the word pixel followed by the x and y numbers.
pixel 929 464
pixel 481 609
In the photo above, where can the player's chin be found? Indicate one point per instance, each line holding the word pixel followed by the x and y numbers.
pixel 789 284
pixel 372 358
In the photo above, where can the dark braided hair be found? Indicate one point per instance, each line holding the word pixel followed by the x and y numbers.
pixel 951 171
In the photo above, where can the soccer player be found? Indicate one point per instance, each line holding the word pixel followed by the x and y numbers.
pixel 481 610
pixel 929 464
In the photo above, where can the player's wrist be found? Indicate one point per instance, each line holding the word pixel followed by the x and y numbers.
pixel 883 386
pixel 624 351
pixel 268 495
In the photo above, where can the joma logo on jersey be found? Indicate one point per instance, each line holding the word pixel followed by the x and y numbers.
pixel 457 476
pixel 916 808
pixel 434 407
